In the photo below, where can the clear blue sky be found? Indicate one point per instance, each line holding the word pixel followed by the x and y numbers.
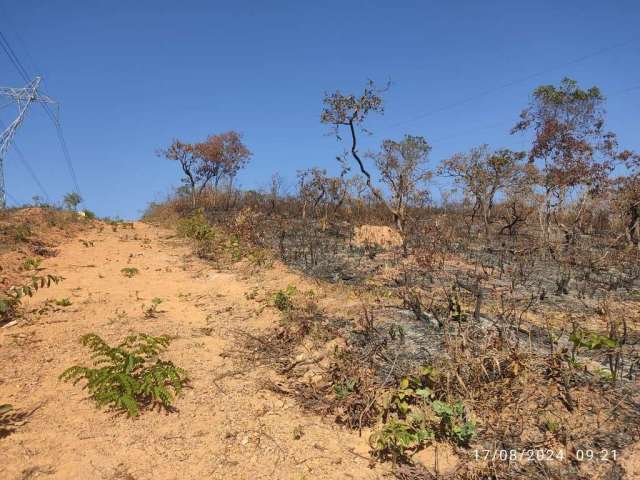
pixel 133 75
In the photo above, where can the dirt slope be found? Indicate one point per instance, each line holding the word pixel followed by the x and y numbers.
pixel 230 428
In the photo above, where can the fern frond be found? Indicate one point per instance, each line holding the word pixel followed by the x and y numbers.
pixel 125 377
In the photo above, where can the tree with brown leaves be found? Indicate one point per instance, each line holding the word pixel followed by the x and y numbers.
pixel 221 155
pixel 569 140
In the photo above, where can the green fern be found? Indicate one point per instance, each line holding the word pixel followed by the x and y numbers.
pixel 11 298
pixel 129 376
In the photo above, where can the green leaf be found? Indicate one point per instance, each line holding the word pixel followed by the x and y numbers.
pixel 424 392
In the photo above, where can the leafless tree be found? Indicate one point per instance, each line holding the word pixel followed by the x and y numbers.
pixel 351 111
pixel 185 155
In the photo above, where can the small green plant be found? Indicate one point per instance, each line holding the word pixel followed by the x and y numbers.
pixel 581 338
pixel 129 376
pixel 454 424
pixel 152 310
pixel 412 418
pixel 11 298
pixel 63 302
pixel 7 419
pixel 345 388
pixel 590 340
pixel 87 243
pixel 31 263
pixel 19 233
pixel 283 299
pixel 550 425
pixel 407 427
pixel 397 437
pixel 130 272
pixel 88 214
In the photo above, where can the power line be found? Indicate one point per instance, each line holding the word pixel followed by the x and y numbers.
pixel 65 149
pixel 54 118
pixel 12 198
pixel 26 165
pixel 16 33
pixel 6 46
pixel 513 82
pixel 503 123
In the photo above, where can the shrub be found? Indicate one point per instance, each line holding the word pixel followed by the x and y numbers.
pixel 196 227
pixel 19 233
pixel 130 271
pixel 130 375
pixel 283 299
pixel 412 418
pixel 31 263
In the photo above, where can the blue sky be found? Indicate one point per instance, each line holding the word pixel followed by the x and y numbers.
pixel 131 76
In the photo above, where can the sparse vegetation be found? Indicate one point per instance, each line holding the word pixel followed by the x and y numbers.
pixel 506 286
pixel 31 264
pixel 63 302
pixel 501 314
pixel 152 311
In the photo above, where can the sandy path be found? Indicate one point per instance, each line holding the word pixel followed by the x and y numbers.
pixel 228 429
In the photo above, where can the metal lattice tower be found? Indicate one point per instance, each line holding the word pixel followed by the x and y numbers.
pixel 23 98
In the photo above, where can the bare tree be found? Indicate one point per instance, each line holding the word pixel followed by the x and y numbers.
pixel 351 111
pixel 627 196
pixel 275 190
pixel 185 155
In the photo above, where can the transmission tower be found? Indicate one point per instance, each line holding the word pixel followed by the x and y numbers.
pixel 23 98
